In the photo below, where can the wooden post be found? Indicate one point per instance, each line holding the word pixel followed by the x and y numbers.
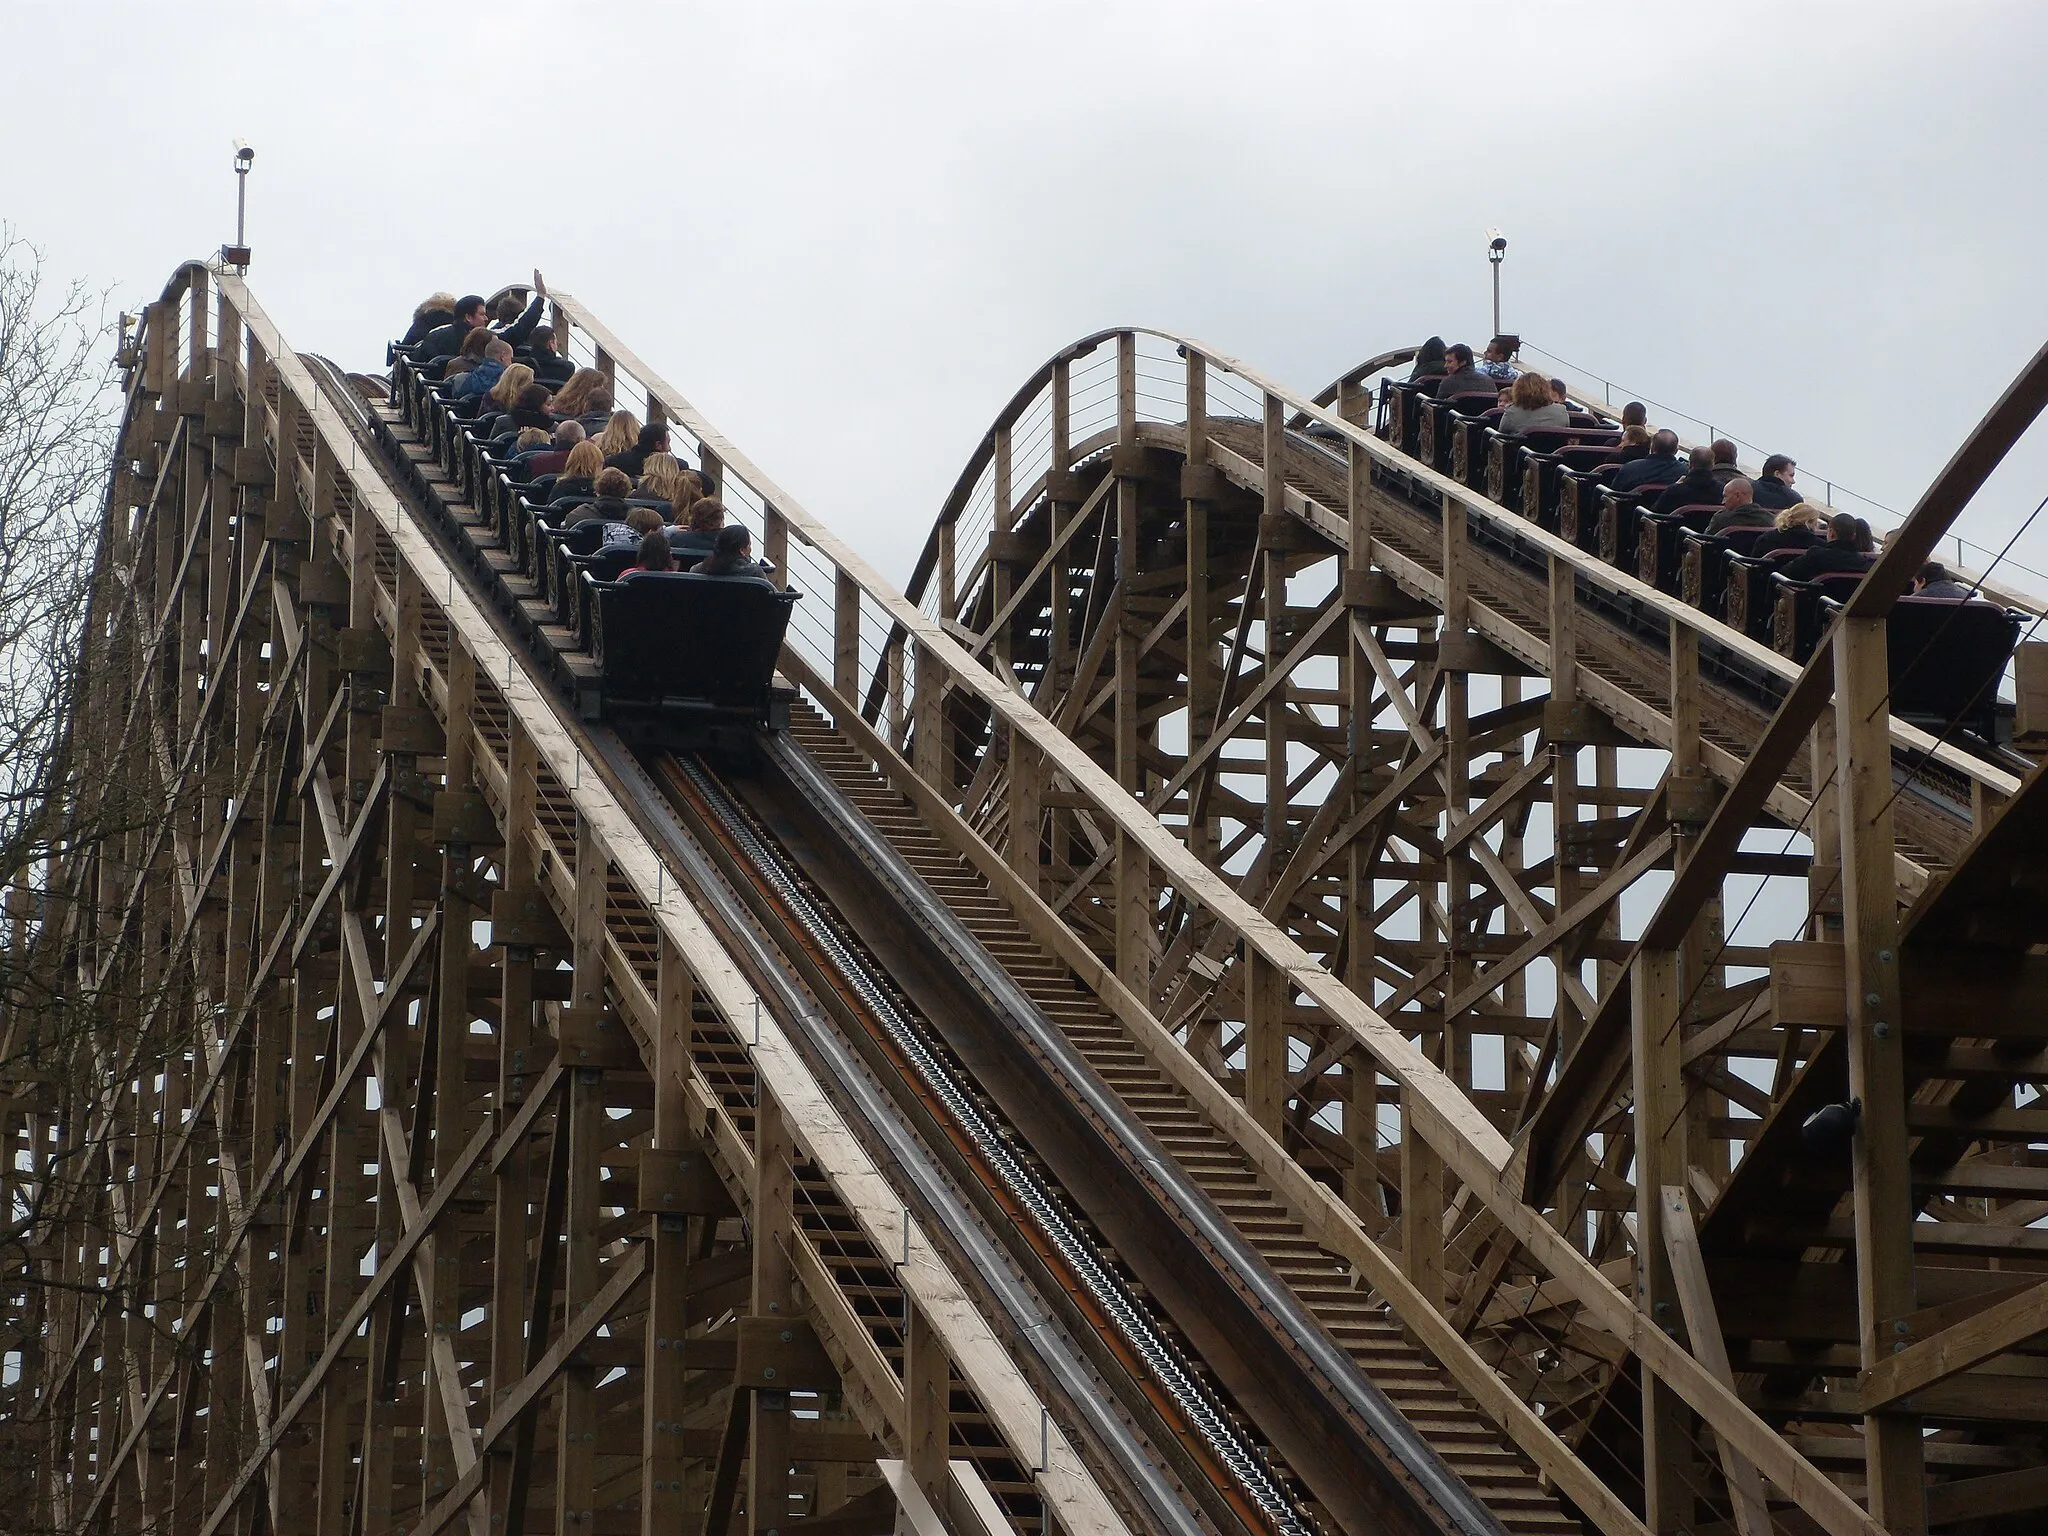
pixel 773 1293
pixel 1422 1207
pixel 1660 1123
pixel 927 1406
pixel 846 637
pixel 664 1399
pixel 1265 1054
pixel 1894 1452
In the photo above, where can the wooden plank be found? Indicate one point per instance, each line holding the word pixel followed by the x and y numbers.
pixel 1703 1328
pixel 2002 1326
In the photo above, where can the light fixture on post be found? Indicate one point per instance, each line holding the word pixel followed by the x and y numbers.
pixel 1496 251
pixel 237 255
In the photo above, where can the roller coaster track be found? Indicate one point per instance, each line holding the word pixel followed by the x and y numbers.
pixel 1157 1044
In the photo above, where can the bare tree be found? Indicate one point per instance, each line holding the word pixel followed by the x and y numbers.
pixel 59 414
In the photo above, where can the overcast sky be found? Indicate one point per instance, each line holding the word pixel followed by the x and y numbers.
pixel 848 232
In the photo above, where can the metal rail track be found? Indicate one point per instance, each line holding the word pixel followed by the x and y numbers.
pixel 1206 1170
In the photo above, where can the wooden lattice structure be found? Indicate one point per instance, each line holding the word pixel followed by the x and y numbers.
pixel 408 1146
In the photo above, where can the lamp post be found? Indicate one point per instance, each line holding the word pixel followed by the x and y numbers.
pixel 237 255
pixel 1496 250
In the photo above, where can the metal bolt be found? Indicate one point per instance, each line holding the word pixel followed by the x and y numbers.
pixel 767 1373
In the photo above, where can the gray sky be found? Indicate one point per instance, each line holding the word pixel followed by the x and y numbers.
pixel 849 232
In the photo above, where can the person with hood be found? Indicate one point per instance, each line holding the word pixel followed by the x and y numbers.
pixel 471 314
pixel 434 311
pixel 529 405
pixel 732 557
pixel 1699 488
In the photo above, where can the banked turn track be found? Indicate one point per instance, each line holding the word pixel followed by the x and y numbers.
pixel 1160 1044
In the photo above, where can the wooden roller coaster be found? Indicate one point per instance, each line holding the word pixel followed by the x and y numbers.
pixel 1270 990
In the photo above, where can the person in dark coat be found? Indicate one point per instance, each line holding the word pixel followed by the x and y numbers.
pixel 1797 527
pixel 1429 360
pixel 1739 510
pixel 695 534
pixel 1660 466
pixel 1724 463
pixel 471 314
pixel 549 366
pixel 1462 377
pixel 732 557
pixel 1933 580
pixel 517 329
pixel 653 438
pixel 1838 554
pixel 579 475
pixel 434 311
pixel 1699 488
pixel 1774 484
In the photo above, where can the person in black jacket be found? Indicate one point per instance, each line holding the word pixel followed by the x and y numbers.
pixel 653 439
pixel 1699 488
pixel 1797 527
pixel 1429 360
pixel 434 311
pixel 732 557
pixel 1660 467
pixel 517 329
pixel 1838 554
pixel 1462 375
pixel 549 366
pixel 579 474
pixel 471 313
pixel 695 534
pixel 1739 509
pixel 1774 485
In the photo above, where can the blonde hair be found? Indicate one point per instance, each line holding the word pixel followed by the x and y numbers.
pixel 661 476
pixel 573 398
pixel 619 434
pixel 506 391
pixel 1799 515
pixel 584 462
pixel 434 301
pixel 531 437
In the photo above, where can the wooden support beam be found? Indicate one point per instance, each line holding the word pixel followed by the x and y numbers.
pixel 1897 1468
pixel 1703 1328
